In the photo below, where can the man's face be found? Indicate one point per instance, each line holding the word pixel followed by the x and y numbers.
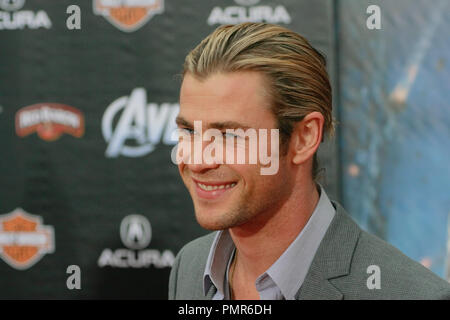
pixel 227 195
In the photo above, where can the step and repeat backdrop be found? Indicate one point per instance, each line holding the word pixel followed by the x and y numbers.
pixel 91 205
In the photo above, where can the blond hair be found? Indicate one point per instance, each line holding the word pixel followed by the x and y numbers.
pixel 296 71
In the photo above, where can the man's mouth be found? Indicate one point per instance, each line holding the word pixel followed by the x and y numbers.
pixel 213 190
pixel 215 187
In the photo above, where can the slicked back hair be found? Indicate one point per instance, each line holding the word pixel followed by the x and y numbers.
pixel 296 72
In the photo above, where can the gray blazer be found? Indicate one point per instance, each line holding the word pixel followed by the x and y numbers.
pixel 339 269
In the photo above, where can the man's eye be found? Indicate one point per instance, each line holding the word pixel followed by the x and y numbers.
pixel 232 135
pixel 187 130
pixel 183 132
pixel 229 135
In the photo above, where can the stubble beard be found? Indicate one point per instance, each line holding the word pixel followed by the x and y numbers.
pixel 239 214
pixel 247 210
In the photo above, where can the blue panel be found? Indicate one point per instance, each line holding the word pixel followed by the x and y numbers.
pixel 395 123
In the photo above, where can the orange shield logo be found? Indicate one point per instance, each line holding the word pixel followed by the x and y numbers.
pixel 50 121
pixel 128 15
pixel 24 239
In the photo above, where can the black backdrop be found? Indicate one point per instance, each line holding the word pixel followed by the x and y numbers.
pixel 113 93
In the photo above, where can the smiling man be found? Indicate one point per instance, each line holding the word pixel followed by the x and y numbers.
pixel 277 236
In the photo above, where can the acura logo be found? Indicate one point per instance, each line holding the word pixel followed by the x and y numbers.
pixel 135 231
pixel 11 5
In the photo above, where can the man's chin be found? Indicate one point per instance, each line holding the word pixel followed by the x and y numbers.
pixel 219 219
pixel 209 222
pixel 214 219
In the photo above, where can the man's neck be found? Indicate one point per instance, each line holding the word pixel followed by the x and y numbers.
pixel 257 251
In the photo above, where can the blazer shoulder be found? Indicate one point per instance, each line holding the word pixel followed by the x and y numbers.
pixel 200 246
pixel 186 276
pixel 381 271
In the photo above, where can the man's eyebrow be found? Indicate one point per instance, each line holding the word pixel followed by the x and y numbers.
pixel 183 122
pixel 228 125
pixel 217 125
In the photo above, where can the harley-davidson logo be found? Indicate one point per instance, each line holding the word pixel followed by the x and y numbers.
pixel 24 240
pixel 128 15
pixel 50 121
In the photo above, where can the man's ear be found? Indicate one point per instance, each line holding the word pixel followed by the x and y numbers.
pixel 306 137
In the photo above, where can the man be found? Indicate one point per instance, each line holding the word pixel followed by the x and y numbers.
pixel 278 235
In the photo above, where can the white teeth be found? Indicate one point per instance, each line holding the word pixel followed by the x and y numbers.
pixel 211 188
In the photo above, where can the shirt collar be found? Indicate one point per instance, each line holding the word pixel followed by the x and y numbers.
pixel 217 262
pixel 290 270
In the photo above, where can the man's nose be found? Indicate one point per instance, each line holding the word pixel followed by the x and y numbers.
pixel 202 167
pixel 200 161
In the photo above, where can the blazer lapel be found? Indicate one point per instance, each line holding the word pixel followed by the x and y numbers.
pixel 315 287
pixel 332 259
pixel 211 293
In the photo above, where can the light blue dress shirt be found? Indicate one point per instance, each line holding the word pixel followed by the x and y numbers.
pixel 285 277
